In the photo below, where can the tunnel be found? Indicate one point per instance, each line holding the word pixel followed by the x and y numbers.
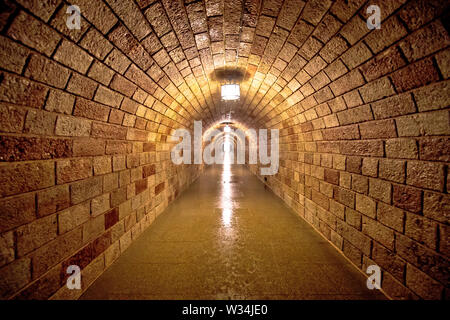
pixel 224 149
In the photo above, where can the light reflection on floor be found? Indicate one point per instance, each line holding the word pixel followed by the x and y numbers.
pixel 227 237
pixel 226 192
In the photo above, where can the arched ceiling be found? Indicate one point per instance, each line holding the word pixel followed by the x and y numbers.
pixel 182 46
pixel 286 50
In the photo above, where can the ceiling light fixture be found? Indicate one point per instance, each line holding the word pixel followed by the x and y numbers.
pixel 230 92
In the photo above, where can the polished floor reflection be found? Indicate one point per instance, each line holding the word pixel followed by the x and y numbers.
pixel 227 237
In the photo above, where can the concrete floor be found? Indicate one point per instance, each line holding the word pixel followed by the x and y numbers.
pixel 227 237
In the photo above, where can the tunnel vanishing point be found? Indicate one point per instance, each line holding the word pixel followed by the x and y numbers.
pixel 92 205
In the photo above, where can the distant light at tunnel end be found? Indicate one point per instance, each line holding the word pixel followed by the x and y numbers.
pixel 230 92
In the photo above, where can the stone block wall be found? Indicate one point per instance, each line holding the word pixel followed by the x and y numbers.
pixel 364 134
pixel 84 147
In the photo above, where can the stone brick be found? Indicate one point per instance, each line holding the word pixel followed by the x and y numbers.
pixel 393 170
pixel 44 70
pixel 341 133
pixel 362 148
pixel 53 200
pixel 100 204
pixel 407 198
pixel 12 119
pixel 21 178
pixel 378 129
pixel 93 228
pixel 388 260
pixel 33 33
pixel 22 92
pixel 14 276
pixel 353 218
pixel 442 59
pixel 59 22
pixel 108 97
pixel 422 257
pixel 436 206
pixel 17 211
pixel 360 183
pixel 327 28
pixel 12 55
pixel 415 75
pixel 425 41
pixel 112 253
pixel 355 237
pixel 421 229
pixel 333 49
pixel 402 148
pixel 102 165
pixel 50 254
pixel 431 98
pixel 289 13
pixel 366 205
pixel 332 176
pixel 383 64
pixel 391 216
pixel 101 73
pixel 376 90
pixel 430 123
pixel 88 147
pixel 391 31
pixel 73 57
pixel 159 188
pixel 119 163
pixel 35 234
pixel 320 199
pixel 423 285
pixel 353 164
pixel 347 82
pixel 352 253
pixel 378 232
pixel 117 147
pixel 111 218
pixel 356 55
pixel 345 197
pixel 370 167
pixel 40 123
pixel 73 217
pixel 335 70
pixel 354 30
pixel 380 190
pixel 82 86
pixel 60 102
pixel 7 247
pixel 108 131
pixel 344 10
pixel 91 110
pixel 96 44
pixel 435 148
pixel 99 14
pixel 71 126
pixel 425 175
pixel 85 189
pixel 73 170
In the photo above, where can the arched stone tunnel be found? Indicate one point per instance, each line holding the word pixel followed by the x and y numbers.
pixel 92 94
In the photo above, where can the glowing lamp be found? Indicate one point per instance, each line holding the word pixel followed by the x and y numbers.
pixel 230 92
